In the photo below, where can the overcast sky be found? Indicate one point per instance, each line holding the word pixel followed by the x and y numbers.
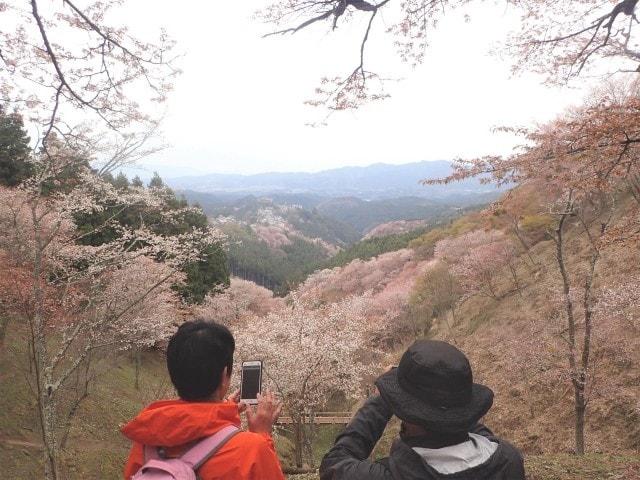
pixel 238 107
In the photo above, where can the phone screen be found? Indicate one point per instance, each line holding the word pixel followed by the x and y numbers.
pixel 251 379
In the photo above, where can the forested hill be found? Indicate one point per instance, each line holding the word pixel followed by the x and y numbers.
pixel 277 241
pixel 371 182
pixel 283 212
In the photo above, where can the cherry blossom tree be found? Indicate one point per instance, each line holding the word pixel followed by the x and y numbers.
pixel 477 258
pixel 622 301
pixel 84 299
pixel 453 249
pixel 305 362
pixel 588 159
pixel 242 300
pixel 436 293
pixel 477 270
pixel 357 277
pixel 521 209
pixel 536 349
pixel 387 279
pixel 151 304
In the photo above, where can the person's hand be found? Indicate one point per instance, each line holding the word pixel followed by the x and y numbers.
pixel 235 398
pixel 262 417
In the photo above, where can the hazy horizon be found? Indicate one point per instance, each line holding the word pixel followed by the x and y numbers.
pixel 147 171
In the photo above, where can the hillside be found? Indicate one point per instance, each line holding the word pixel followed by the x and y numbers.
pixel 394 228
pixel 289 218
pixel 278 244
pixel 510 325
pixel 270 256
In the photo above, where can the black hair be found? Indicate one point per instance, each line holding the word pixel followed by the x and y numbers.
pixel 196 357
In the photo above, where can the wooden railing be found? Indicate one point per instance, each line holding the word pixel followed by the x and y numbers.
pixel 320 418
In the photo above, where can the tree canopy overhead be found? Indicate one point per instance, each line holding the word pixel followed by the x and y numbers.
pixel 558 39
pixel 69 66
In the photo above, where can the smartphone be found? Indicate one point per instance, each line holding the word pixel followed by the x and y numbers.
pixel 251 383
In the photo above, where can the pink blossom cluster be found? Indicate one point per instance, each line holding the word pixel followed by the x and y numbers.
pixel 310 351
pixel 476 257
pixel 242 301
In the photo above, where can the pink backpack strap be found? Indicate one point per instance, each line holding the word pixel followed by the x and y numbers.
pixel 151 453
pixel 207 448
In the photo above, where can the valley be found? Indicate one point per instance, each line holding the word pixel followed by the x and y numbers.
pixel 281 228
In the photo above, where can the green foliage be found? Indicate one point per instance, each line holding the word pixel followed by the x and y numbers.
pixel 14 150
pixel 425 244
pixel 434 294
pixel 372 247
pixel 156 181
pixel 314 225
pixel 536 226
pixel 121 181
pixel 436 289
pixel 277 269
pixel 207 275
pixel 310 223
pixel 137 182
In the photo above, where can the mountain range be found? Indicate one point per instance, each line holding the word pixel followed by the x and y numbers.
pixel 376 181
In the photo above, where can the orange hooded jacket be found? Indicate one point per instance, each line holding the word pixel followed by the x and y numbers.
pixel 174 424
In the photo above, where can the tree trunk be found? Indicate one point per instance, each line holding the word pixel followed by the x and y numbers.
pixel 297 441
pixel 581 408
pixel 46 406
pixel 308 437
pixel 48 434
pixel 516 280
pixel 523 242
pixel 578 372
pixel 307 441
pixel 45 393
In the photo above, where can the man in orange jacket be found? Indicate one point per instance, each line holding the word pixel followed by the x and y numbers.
pixel 200 360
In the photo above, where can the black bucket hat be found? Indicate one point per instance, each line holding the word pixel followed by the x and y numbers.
pixel 433 387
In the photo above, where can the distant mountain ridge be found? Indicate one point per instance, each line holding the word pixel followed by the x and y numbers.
pixel 371 182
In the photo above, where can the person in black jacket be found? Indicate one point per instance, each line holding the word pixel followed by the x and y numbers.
pixel 433 394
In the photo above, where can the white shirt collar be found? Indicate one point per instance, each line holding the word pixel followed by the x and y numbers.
pixel 456 458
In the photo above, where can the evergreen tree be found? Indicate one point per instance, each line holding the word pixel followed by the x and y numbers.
pixel 156 181
pixel 209 274
pixel 121 182
pixel 14 150
pixel 108 177
pixel 137 182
